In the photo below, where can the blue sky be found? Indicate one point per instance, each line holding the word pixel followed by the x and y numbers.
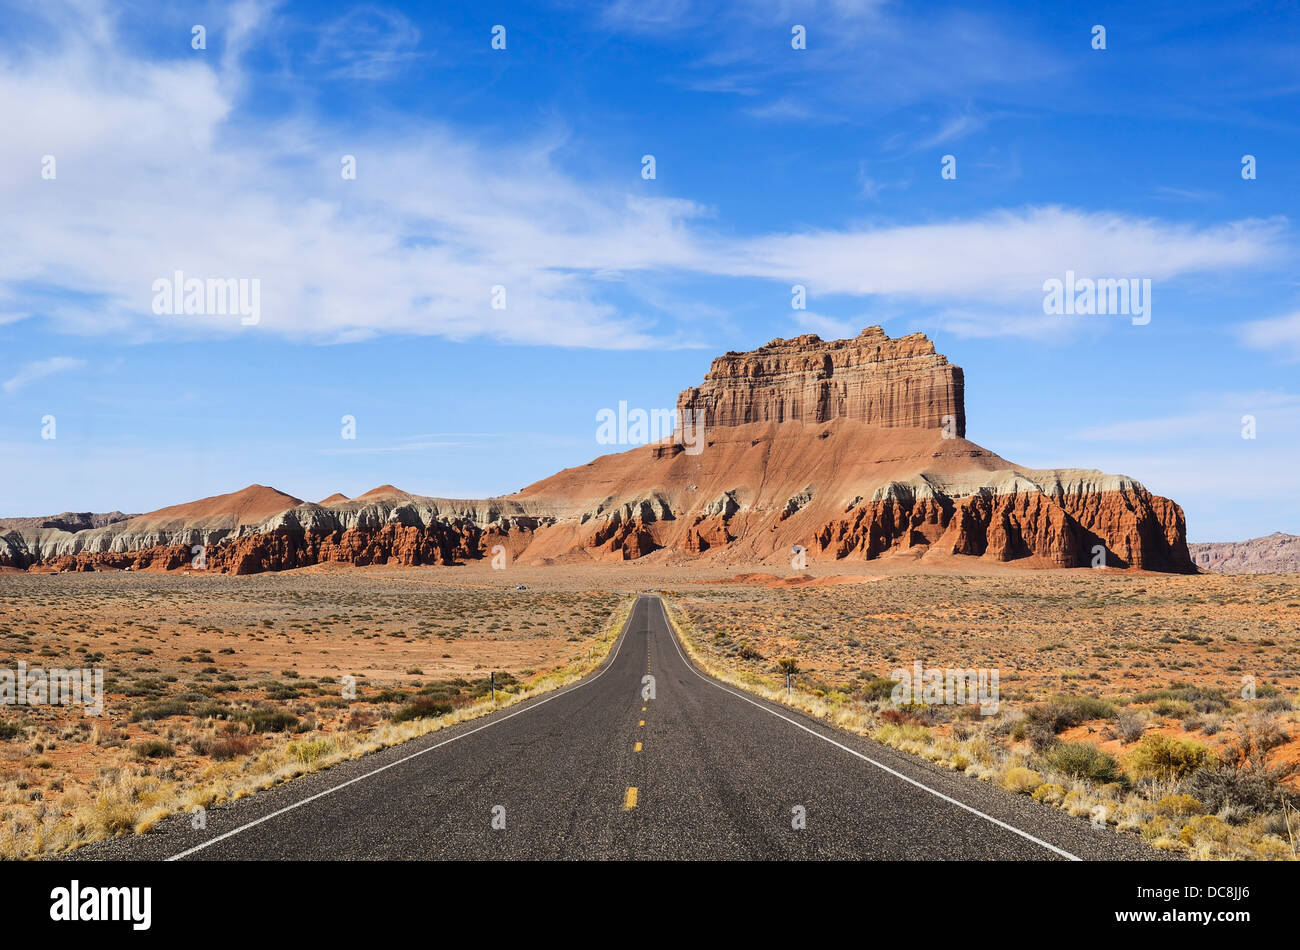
pixel 522 168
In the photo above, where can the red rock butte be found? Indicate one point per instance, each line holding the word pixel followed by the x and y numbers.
pixel 847 449
pixel 870 378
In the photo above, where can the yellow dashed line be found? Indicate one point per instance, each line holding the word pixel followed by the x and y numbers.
pixel 638 747
pixel 629 801
pixel 641 723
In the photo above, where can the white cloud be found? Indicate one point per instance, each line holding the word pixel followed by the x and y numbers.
pixel 826 327
pixel 31 372
pixel 1001 259
pixel 954 128
pixel 368 42
pixel 158 171
pixel 1277 334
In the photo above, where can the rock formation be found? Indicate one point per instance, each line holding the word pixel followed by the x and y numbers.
pixel 870 378
pixel 844 449
pixel 1276 554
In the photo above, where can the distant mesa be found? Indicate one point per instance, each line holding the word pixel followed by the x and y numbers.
pixel 812 450
pixel 334 499
pixel 1277 553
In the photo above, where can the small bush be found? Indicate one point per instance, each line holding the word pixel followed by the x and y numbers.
pixel 1049 792
pixel 1205 827
pixel 163 710
pixel 901 717
pixel 1086 707
pixel 1082 760
pixel 1129 727
pixel 268 720
pixel 1162 757
pixel 422 707
pixel 1173 708
pixel 1182 804
pixel 1021 780
pixel 1047 720
pixel 879 687
pixel 222 750
pixel 154 749
pixel 309 751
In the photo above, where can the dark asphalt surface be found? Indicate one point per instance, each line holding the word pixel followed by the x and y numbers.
pixel 719 775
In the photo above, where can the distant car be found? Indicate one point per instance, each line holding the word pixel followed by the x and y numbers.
pixel 521 587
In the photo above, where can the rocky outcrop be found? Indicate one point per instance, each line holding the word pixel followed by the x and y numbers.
pixel 870 378
pixel 1277 553
pixel 842 449
pixel 1057 519
pixel 232 535
pixel 68 521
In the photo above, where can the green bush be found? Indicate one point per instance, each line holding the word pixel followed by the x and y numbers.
pixel 268 720
pixel 878 688
pixel 1086 707
pixel 154 749
pixel 163 710
pixel 1082 760
pixel 422 707
pixel 1200 698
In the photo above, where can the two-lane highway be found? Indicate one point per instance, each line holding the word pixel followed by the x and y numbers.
pixel 605 770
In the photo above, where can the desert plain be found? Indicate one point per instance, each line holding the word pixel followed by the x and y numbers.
pixel 218 685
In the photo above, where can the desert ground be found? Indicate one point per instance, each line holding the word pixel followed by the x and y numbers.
pixel 217 685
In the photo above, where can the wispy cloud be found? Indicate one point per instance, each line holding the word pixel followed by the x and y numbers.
pixel 368 42
pixel 40 369
pixel 952 129
pixel 1278 335
pixel 1001 258
pixel 385 253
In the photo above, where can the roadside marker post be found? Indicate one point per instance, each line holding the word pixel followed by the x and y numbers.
pixel 492 679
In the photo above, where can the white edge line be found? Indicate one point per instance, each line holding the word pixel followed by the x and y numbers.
pixel 492 722
pixel 975 811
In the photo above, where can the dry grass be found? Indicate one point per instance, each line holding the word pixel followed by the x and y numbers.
pixel 242 686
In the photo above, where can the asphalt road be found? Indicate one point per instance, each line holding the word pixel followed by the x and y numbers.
pixel 594 771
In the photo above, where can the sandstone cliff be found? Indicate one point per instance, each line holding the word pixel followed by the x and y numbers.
pixel 870 378
pixel 839 449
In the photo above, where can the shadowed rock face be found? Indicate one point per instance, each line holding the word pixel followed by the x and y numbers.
pixel 844 449
pixel 870 378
